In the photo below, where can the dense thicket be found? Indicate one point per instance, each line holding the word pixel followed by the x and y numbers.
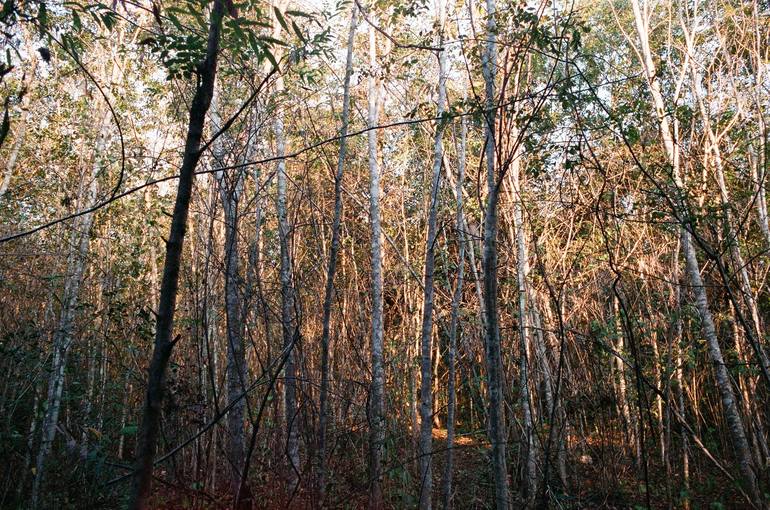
pixel 385 254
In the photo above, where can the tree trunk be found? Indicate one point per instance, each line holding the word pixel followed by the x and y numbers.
pixel 377 404
pixel 426 332
pixel 164 344
pixel 62 338
pixel 457 296
pixel 679 374
pixel 732 415
pixel 333 253
pixel 288 324
pixel 713 154
pixel 529 485
pixel 230 189
pixel 758 166
pixel 622 388
pixel 489 268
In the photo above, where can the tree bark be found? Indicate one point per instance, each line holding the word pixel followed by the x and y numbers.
pixel 732 415
pixel 529 487
pixel 333 254
pixel 426 332
pixel 164 344
pixel 713 155
pixel 489 268
pixel 620 380
pixel 62 338
pixel 288 324
pixel 377 404
pixel 230 189
pixel 455 319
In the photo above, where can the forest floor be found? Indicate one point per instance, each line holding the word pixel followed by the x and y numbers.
pixel 471 480
pixel 601 477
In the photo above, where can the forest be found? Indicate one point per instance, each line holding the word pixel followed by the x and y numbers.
pixel 380 254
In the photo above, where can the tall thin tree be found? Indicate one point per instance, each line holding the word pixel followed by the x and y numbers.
pixel 377 400
pixel 164 343
pixel 497 434
pixel 426 333
pixel 288 322
pixel 333 254
pixel 729 403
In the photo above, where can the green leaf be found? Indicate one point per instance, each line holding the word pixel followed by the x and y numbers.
pixel 298 31
pixel 237 30
pixel 300 14
pixel 271 58
pixel 76 21
pixel 175 20
pixel 108 18
pixel 7 9
pixel 42 18
pixel 271 40
pixel 280 18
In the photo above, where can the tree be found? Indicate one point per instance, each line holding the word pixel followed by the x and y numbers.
pixel 497 434
pixel 377 406
pixel 691 261
pixel 333 254
pixel 426 334
pixel 164 343
pixel 604 164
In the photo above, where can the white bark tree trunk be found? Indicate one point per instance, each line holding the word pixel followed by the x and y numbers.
pixel 288 324
pixel 230 186
pixel 426 394
pixel 457 296
pixel 713 157
pixel 732 414
pixel 497 435
pixel 333 254
pixel 377 409
pixel 529 485
pixel 63 336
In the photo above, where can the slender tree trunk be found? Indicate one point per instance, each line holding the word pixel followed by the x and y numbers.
pixel 457 296
pixel 470 251
pixel 529 487
pixel 552 406
pixel 426 334
pixel 759 175
pixel 732 414
pixel 713 154
pixel 87 405
pixel 759 169
pixel 622 389
pixel 377 404
pixel 164 344
pixel 659 382
pixel 333 253
pixel 288 324
pixel 729 403
pixel 62 338
pixel 230 189
pixel 20 489
pixel 679 374
pixel 127 387
pixel 497 435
